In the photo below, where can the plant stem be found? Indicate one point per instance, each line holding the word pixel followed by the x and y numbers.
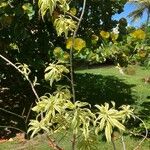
pixel 28 114
pixel 9 112
pixel 73 141
pixel 123 143
pixel 72 16
pixel 12 128
pixel 53 145
pixel 21 117
pixel 71 52
pixel 114 146
pixel 31 84
pixel 71 65
pixel 146 133
pixel 12 64
pixel 136 134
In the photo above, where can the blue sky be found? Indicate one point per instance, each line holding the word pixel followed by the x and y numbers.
pixel 127 9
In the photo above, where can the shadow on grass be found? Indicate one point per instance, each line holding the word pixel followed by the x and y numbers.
pixel 97 89
pixel 144 114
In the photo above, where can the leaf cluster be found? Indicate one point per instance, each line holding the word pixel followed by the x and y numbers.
pixel 59 113
pixel 54 72
pixel 63 23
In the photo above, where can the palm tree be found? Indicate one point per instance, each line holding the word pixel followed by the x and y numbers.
pixel 142 6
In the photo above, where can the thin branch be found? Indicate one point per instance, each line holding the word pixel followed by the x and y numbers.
pixel 123 143
pixel 67 78
pixel 7 111
pixel 12 128
pixel 23 112
pixel 73 141
pixel 113 143
pixel 71 66
pixel 146 133
pixel 136 134
pixel 71 51
pixel 33 89
pixel 12 64
pixel 31 84
pixel 16 116
pixel 78 19
pixel 53 145
pixel 27 117
pixel 8 61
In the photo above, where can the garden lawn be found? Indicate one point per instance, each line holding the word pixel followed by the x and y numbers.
pixel 135 87
pixel 106 84
pixel 40 143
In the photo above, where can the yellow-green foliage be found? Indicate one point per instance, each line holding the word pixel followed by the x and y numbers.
pixel 54 72
pixel 60 113
pixel 56 111
pixel 78 44
pixel 24 69
pixel 138 34
pixel 108 118
pixel 64 25
pixel 50 5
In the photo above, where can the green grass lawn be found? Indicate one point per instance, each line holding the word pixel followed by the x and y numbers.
pixel 106 84
pixel 41 143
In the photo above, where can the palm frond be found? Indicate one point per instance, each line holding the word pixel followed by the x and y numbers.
pixel 141 6
pixel 136 14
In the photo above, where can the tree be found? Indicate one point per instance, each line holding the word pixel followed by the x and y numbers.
pixel 98 15
pixel 59 111
pixel 142 6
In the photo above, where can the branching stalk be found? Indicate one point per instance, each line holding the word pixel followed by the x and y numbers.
pixel 73 141
pixel 32 87
pixel 72 16
pixel 71 66
pixel 12 64
pixel 9 112
pixel 123 143
pixel 146 133
pixel 19 116
pixel 113 143
pixel 53 145
pixel 71 52
pixel 27 117
pixel 12 128
pixel 136 134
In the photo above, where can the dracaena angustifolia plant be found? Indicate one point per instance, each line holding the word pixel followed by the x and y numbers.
pixel 109 118
pixel 61 114
pixel 58 111
pixel 63 22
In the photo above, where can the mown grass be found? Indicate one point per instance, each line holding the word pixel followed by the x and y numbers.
pixel 108 84
pixel 105 84
pixel 41 143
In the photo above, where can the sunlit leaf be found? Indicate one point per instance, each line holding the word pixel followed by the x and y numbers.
pixel 28 9
pixel 64 25
pixel 138 34
pixel 104 34
pixel 79 44
pixel 108 132
pixel 73 11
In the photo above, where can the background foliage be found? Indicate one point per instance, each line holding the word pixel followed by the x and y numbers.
pixel 25 38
